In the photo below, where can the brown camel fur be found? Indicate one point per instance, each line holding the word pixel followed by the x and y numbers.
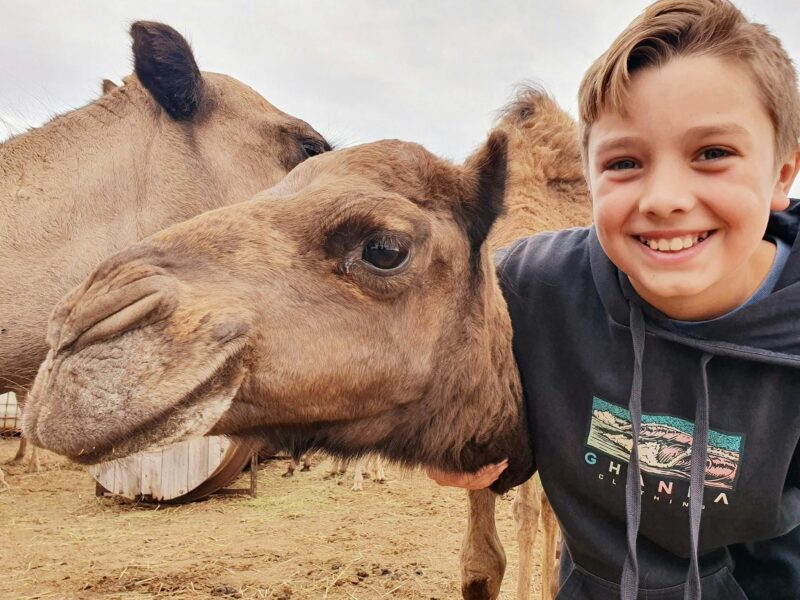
pixel 168 144
pixel 353 308
pixel 182 303
pixel 545 191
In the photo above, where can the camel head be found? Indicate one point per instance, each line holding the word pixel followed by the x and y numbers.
pixel 218 121
pixel 169 143
pixel 353 307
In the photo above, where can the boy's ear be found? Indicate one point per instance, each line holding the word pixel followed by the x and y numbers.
pixel 786 176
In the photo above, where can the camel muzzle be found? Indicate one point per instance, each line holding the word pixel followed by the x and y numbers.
pixel 99 403
pixel 108 307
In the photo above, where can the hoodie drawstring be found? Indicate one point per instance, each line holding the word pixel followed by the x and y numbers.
pixel 697 483
pixel 629 583
pixel 633 492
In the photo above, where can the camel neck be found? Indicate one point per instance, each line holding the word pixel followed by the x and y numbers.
pixel 64 142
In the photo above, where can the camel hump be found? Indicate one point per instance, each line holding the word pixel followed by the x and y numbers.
pixel 529 100
pixel 165 65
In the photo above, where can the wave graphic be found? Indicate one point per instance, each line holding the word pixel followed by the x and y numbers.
pixel 663 450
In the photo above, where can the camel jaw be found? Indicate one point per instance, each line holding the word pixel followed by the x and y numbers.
pixel 76 410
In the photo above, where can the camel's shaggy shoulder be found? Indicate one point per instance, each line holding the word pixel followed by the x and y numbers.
pixel 547 190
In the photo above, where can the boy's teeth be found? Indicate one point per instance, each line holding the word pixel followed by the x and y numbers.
pixel 674 244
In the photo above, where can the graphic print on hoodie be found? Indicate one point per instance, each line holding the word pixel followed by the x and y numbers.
pixel 665 445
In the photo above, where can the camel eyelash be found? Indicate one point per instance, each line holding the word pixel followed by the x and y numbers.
pixel 348 235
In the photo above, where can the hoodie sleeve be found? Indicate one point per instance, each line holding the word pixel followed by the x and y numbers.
pixel 530 272
pixel 507 262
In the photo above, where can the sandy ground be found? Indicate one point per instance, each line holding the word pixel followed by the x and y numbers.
pixel 302 537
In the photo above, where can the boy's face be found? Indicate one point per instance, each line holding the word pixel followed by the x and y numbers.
pixel 682 186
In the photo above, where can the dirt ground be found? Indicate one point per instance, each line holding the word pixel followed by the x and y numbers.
pixel 302 537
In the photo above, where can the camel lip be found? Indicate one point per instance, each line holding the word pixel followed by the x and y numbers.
pixel 168 426
pixel 93 458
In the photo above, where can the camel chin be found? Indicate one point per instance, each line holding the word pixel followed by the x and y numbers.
pixel 100 415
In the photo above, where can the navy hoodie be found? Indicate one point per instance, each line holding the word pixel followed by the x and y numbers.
pixel 598 363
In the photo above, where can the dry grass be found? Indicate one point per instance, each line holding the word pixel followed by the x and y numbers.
pixel 302 537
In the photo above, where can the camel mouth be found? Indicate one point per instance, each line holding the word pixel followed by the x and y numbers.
pixel 89 423
pixel 195 414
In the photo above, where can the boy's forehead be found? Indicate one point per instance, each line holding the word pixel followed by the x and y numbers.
pixel 687 96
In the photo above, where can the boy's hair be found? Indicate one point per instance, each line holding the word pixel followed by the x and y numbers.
pixel 671 28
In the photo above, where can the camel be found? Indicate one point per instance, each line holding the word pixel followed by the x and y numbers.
pixel 364 466
pixel 235 311
pixel 545 191
pixel 168 144
pixel 312 316
pixel 369 467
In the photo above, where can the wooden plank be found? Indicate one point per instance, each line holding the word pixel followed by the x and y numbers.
pixel 174 469
pixel 103 473
pixel 151 473
pixel 128 476
pixel 197 472
pixel 119 475
pixel 217 447
pixel 225 446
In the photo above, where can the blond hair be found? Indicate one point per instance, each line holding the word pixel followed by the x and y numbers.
pixel 672 28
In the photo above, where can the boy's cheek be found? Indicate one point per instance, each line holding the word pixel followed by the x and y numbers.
pixel 609 213
pixel 610 183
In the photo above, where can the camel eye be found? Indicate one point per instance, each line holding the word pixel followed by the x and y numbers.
pixel 312 148
pixel 385 254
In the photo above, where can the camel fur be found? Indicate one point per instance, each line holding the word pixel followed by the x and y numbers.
pixel 168 144
pixel 353 307
pixel 545 191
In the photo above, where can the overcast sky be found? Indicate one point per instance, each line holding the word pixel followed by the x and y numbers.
pixel 434 72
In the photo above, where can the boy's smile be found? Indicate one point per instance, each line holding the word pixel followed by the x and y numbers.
pixel 683 184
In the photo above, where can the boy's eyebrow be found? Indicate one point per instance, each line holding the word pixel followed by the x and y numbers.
pixel 616 143
pixel 718 129
pixel 698 131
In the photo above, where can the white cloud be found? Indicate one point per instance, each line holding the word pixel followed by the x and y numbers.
pixel 357 70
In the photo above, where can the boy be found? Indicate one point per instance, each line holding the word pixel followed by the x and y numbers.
pixel 672 323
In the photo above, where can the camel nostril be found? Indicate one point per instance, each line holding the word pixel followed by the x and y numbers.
pixel 141 312
pixel 225 332
pixel 104 311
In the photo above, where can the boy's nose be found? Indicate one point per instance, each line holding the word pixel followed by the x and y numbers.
pixel 666 192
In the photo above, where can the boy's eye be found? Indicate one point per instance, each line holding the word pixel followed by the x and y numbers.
pixel 713 154
pixel 622 164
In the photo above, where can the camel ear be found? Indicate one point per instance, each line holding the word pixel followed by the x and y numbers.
pixel 108 86
pixel 165 65
pixel 484 189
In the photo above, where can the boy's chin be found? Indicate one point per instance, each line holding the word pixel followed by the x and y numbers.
pixel 674 296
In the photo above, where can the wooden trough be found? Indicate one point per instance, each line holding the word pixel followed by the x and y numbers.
pixel 10 414
pixel 184 472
